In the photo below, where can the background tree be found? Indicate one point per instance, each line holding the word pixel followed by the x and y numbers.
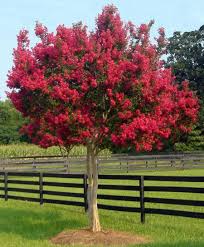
pixel 191 141
pixel 10 123
pixel 186 57
pixel 107 86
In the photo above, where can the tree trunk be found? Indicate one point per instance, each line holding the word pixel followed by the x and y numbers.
pixel 92 173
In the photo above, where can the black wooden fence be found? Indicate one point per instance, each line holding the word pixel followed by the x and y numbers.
pixel 40 187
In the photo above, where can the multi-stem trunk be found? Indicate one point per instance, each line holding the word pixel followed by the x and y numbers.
pixel 92 173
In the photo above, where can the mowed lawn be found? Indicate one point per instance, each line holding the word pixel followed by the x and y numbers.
pixel 28 224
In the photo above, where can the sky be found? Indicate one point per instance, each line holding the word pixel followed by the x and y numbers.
pixel 173 15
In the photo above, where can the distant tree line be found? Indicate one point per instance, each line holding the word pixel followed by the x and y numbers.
pixel 186 57
pixel 10 123
pixel 185 54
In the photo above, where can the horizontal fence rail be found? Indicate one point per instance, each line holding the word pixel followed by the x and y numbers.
pixel 14 178
pixel 40 189
pixel 120 163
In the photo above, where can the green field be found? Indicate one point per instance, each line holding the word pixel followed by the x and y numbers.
pixel 29 224
pixel 15 150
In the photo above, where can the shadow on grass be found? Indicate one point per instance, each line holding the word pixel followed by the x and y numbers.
pixel 34 222
pixel 38 224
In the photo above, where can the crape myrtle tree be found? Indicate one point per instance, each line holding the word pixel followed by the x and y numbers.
pixel 97 88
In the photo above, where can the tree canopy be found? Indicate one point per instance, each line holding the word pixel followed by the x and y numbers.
pixel 108 86
pixel 186 56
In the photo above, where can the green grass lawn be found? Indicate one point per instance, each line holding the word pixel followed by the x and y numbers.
pixel 29 224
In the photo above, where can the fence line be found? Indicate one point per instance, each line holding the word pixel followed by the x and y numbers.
pixel 114 164
pixel 42 188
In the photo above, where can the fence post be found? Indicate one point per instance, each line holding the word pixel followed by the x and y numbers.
pixel 156 162
pixel 182 164
pixel 142 205
pixel 85 192
pixel 41 187
pixel 6 186
pixel 34 165
pixel 97 164
pixel 66 166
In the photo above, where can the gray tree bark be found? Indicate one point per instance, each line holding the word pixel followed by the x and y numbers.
pixel 92 173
